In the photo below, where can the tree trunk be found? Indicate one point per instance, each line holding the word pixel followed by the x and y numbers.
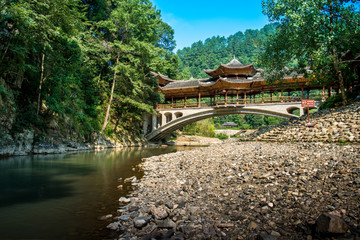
pixel 340 78
pixel 40 85
pixel 111 97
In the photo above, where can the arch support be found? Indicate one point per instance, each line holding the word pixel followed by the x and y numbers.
pixel 175 119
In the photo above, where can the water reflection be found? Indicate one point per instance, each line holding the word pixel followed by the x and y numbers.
pixel 61 196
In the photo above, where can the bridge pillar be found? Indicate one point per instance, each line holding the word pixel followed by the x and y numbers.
pixel 154 122
pixel 302 112
pixel 163 117
pixel 145 124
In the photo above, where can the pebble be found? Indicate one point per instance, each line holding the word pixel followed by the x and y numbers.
pixel 230 190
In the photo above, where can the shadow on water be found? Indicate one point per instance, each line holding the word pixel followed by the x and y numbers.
pixel 69 191
pixel 37 178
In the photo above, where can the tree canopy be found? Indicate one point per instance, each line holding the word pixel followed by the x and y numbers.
pixel 320 35
pixel 210 53
pixel 63 60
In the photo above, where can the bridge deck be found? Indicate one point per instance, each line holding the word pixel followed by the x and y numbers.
pixel 257 101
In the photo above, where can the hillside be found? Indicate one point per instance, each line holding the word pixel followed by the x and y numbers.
pixel 210 53
pixel 332 125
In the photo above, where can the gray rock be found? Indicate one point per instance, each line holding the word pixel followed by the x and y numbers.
pixel 167 223
pixel 159 212
pixel 330 224
pixel 140 222
pixel 113 226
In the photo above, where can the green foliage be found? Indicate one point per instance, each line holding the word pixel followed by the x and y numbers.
pixel 204 128
pixel 222 136
pixel 336 100
pixel 64 53
pixel 248 121
pixel 208 54
pixel 319 34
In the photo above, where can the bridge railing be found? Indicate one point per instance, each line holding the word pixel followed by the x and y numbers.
pixel 240 101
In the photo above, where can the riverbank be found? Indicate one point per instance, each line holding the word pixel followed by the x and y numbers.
pixel 245 190
pixel 28 142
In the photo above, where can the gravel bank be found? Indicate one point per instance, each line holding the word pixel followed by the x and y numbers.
pixel 246 190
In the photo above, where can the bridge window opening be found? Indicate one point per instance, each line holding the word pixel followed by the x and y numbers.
pixel 178 114
pixel 294 110
pixel 159 121
pixel 168 117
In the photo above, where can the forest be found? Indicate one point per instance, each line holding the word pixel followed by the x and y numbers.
pixel 83 67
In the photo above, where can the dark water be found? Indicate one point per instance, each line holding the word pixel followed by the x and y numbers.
pixel 61 196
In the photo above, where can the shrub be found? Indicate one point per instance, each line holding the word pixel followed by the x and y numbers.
pixel 222 136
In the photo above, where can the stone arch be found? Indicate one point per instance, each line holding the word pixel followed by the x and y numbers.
pixel 292 109
pixel 177 123
pixel 168 117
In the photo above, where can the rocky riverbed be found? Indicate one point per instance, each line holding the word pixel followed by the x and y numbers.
pixel 246 190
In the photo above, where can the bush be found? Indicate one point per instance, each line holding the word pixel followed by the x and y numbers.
pixel 222 136
pixel 202 128
pixel 336 101
pixel 331 102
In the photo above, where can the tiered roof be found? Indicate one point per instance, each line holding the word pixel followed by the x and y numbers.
pixel 233 77
pixel 233 68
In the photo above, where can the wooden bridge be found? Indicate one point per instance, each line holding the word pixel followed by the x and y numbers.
pixel 232 88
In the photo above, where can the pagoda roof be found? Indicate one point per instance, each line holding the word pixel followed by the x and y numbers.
pixel 162 79
pixel 234 67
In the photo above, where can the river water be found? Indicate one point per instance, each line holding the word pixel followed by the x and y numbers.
pixel 62 196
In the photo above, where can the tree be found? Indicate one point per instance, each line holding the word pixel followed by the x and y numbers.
pixel 215 50
pixel 138 42
pixel 315 34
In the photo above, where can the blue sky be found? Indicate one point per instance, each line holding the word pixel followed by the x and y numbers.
pixel 194 20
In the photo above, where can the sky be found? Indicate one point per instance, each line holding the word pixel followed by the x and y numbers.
pixel 195 20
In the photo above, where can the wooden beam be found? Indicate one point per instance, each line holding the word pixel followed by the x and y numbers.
pixel 199 100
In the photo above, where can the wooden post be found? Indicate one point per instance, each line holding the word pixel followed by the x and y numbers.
pixel 226 97
pixel 308 93
pixel 323 93
pixel 216 100
pixel 185 102
pixel 237 96
pixel 172 101
pixel 289 99
pixel 302 93
pixel 282 96
pixel 199 99
pixel 262 96
pixel 270 96
pixel 244 96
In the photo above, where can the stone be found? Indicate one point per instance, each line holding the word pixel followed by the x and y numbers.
pixel 265 237
pixel 252 226
pixel 124 218
pixel 330 224
pixel 167 223
pixel 140 222
pixel 159 212
pixel 105 217
pixel 113 226
pixel 276 234
pixel 124 200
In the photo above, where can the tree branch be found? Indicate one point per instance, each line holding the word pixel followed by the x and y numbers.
pixel 338 15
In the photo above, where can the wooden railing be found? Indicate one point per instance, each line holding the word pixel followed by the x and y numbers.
pixel 241 101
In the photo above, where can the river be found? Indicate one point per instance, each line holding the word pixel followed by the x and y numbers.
pixel 62 196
